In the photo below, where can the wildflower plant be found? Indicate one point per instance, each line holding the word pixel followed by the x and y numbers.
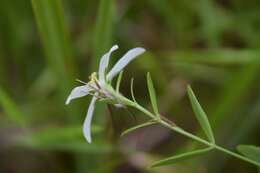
pixel 101 89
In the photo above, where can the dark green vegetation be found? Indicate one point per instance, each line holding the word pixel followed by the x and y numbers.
pixel 46 44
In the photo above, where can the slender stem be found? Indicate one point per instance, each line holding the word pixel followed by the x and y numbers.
pixel 194 137
pixel 166 123
pixel 237 155
pixel 185 133
pixel 214 146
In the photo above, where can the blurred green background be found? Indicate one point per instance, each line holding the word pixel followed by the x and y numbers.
pixel 46 44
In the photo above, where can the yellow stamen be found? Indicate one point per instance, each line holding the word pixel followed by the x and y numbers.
pixel 93 77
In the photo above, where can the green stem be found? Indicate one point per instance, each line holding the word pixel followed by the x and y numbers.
pixel 194 137
pixel 165 122
pixel 237 155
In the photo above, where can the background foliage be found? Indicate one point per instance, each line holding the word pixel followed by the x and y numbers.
pixel 46 44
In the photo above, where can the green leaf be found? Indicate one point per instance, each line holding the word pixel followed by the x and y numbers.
pixel 213 57
pixel 10 108
pixel 250 151
pixel 53 134
pixel 152 94
pixel 184 156
pixel 54 36
pixel 69 146
pixel 132 90
pixel 103 30
pixel 62 139
pixel 137 127
pixel 43 85
pixel 118 82
pixel 200 115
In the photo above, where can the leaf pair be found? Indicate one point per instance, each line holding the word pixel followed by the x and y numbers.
pixel 153 102
pixel 199 112
pixel 200 115
pixel 204 123
pixel 152 94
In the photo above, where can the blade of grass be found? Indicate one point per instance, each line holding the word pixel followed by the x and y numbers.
pixel 53 34
pixel 50 22
pixel 213 57
pixel 177 20
pixel 152 95
pixel 52 31
pixel 13 15
pixel 75 146
pixel 71 146
pixel 202 72
pixel 103 30
pixel 43 85
pixel 59 134
pixel 211 27
pixel 177 158
pixel 62 139
pixel 200 115
pixel 11 110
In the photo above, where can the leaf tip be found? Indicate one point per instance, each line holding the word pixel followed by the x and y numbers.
pixel 189 89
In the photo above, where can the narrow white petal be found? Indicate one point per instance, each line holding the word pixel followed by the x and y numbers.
pixel 128 57
pixel 88 119
pixel 104 63
pixel 78 92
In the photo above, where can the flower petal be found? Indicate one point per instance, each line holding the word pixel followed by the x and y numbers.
pixel 128 57
pixel 104 63
pixel 78 92
pixel 87 122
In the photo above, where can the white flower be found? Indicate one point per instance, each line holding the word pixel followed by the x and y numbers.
pixel 97 86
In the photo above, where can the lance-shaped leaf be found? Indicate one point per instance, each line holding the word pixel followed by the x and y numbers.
pixel 152 94
pixel 177 158
pixel 251 152
pixel 137 127
pixel 200 115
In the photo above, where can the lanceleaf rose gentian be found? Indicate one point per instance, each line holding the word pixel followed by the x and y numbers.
pixel 99 84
